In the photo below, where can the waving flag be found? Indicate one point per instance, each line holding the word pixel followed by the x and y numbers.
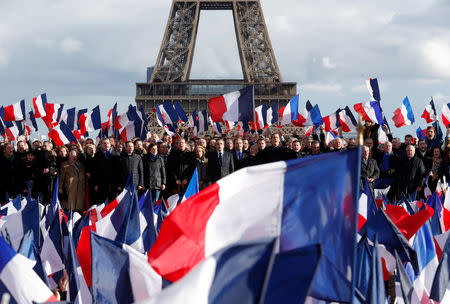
pixel 446 115
pixel 193 118
pixel 372 85
pixel 292 113
pixel 61 135
pixel 128 132
pixel 192 187
pixel 403 116
pixel 331 121
pixel 234 106
pixel 17 275
pixel 201 225
pixel 180 112
pixel 53 114
pixel 30 123
pixel 201 124
pixel 216 127
pixel 272 114
pixel 90 121
pixel 421 134
pixel 347 120
pixel 168 113
pixel 39 105
pixel 15 112
pixel 260 118
pixel 429 114
pixel 370 111
pixel 314 117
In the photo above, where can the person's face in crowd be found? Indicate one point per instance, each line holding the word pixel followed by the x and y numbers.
pixel 21 147
pixel 167 139
pixel 369 142
pixel 388 147
pixel 307 142
pixel 338 144
pixel 212 144
pixel 105 145
pixel 199 152
pixel 163 148
pixel 245 144
pixel 408 140
pixel 90 150
pixel 396 143
pixel 289 143
pixel 315 148
pixel 436 153
pixel 146 145
pixel 47 146
pixel 296 147
pixel 430 134
pixel 254 150
pixel 230 144
pixel 88 141
pixel 239 145
pixel 380 147
pixel 423 146
pixel 36 144
pixel 202 142
pixel 365 153
pixel 181 144
pixel 220 146
pixel 129 148
pixel 275 140
pixel 410 151
pixel 139 145
pixel 9 150
pixel 154 150
pixel 261 144
pixel 62 153
pixel 119 146
pixel 73 156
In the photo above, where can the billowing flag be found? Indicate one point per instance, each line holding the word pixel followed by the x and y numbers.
pixel 53 114
pixel 202 122
pixel 370 111
pixel 271 114
pixel 167 113
pixel 192 188
pixel 403 116
pixel 193 118
pixel 39 105
pixel 234 106
pixel 314 117
pixel 260 118
pixel 15 112
pixel 372 86
pixel 61 135
pixel 331 121
pixel 292 113
pixel 128 132
pixel 446 115
pixel 30 123
pixel 90 121
pixel 180 112
pixel 421 134
pixel 429 114
pixel 347 120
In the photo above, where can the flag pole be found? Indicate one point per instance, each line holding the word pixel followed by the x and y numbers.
pixel 275 250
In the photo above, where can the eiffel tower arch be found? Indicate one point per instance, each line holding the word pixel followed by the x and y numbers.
pixel 170 79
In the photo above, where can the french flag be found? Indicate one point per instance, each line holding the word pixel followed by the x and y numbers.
pixel 271 115
pixel 30 123
pixel 421 134
pixel 374 90
pixel 260 118
pixel 15 112
pixel 61 135
pixel 128 132
pixel 180 112
pixel 168 113
pixel 201 226
pixel 39 105
pixel 329 137
pixel 71 117
pixel 19 278
pixel 347 120
pixel 201 122
pixel 308 131
pixel 234 106
pixel 53 114
pixel 404 115
pixel 217 128
pixel 446 115
pixel 314 117
pixel 193 118
pixel 370 111
pixel 291 113
pixel 429 114
pixel 90 121
pixel 121 121
pixel 331 121
pixel 11 133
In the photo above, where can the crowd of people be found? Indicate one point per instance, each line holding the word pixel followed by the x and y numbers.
pixel 91 174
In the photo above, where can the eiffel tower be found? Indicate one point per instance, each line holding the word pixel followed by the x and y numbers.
pixel 170 79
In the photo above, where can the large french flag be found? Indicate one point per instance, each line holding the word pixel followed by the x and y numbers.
pixel 430 114
pixel 229 211
pixel 234 106
pixel 404 115
pixel 15 111
pixel 347 120
pixel 370 111
pixel 374 90
pixel 292 113
pixel 39 105
pixel 19 278
pixel 61 135
pixel 53 114
pixel 446 115
pixel 90 121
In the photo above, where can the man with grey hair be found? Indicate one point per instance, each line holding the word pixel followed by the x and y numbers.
pixel 411 174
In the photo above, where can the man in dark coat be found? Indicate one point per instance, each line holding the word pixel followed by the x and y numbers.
pixel 180 167
pixel 412 173
pixel 220 162
pixel 7 184
pixel 369 168
pixel 276 151
pixel 132 163
pixel 106 174
pixel 389 164
pixel 238 153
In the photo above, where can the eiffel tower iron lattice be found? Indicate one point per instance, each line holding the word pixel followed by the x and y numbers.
pixel 170 79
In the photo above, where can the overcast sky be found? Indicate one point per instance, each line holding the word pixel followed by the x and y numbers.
pixel 84 53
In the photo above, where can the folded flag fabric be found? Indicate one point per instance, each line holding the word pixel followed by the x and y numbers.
pixel 39 105
pixel 292 113
pixel 201 225
pixel 61 135
pixel 404 115
pixel 374 90
pixel 53 112
pixel 90 121
pixel 234 106
pixel 429 114
pixel 347 120
pixel 446 115
pixel 421 134
pixel 30 123
pixel 180 112
pixel 331 121
pixel 370 111
pixel 15 112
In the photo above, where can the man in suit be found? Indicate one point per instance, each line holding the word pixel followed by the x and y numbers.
pixel 220 162
pixel 238 153
pixel 411 173
pixel 132 163
pixel 369 168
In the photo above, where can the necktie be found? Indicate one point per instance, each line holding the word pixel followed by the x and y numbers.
pixel 240 155
pixel 220 157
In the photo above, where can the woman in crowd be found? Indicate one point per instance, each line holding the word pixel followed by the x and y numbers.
pixel 201 163
pixel 154 172
pixel 62 156
pixel 433 166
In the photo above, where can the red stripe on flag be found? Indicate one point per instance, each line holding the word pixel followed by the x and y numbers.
pixel 217 107
pixel 398 118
